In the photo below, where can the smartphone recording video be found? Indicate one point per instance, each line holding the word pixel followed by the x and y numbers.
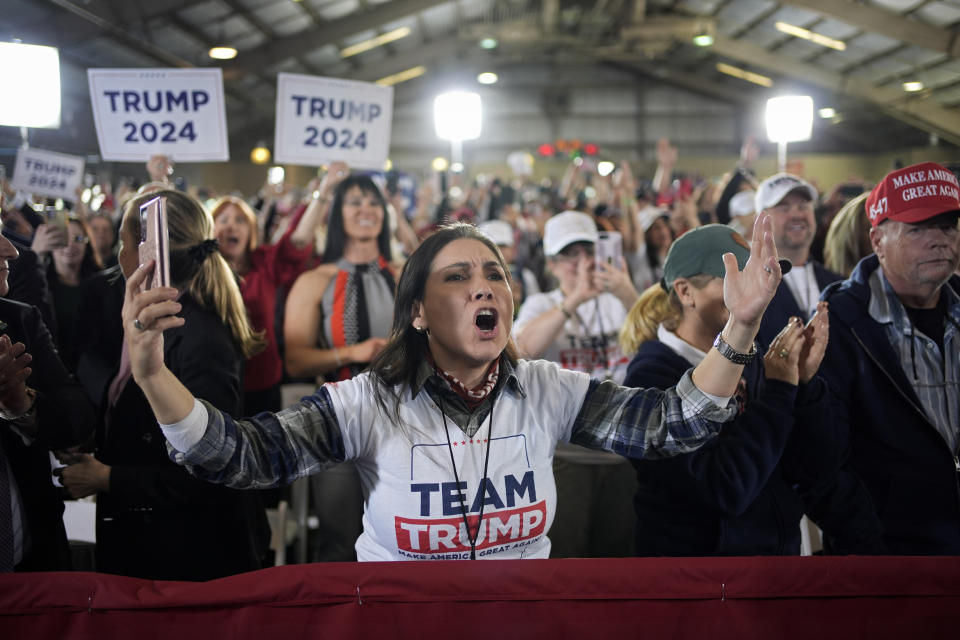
pixel 155 242
pixel 609 248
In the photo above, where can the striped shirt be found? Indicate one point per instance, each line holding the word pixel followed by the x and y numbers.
pixel 933 374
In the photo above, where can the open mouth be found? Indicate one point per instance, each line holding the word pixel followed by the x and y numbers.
pixel 486 319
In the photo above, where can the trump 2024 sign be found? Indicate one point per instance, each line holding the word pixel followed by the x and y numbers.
pixel 321 120
pixel 174 112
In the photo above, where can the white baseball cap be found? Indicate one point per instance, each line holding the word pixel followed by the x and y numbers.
pixel 497 230
pixel 566 228
pixel 772 190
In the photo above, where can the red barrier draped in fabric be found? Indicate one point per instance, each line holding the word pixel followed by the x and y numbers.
pixel 702 598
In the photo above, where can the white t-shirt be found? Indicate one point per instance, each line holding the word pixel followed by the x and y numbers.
pixel 579 347
pixel 580 344
pixel 412 510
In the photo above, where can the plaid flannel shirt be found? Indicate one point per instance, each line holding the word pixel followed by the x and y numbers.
pixel 271 449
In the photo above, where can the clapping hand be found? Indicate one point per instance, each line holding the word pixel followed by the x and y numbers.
pixel 14 371
pixel 815 338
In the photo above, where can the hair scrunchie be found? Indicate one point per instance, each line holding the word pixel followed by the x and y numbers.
pixel 199 252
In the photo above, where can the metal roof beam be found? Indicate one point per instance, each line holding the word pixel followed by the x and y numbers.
pixel 887 23
pixel 914 110
pixel 274 52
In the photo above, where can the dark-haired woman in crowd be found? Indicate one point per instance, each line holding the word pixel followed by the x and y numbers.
pixel 103 237
pixel 69 265
pixel 738 494
pixel 264 271
pixel 452 434
pixel 337 320
pixel 154 520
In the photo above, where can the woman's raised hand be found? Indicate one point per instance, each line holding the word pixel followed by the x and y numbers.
pixel 747 293
pixel 146 315
pixel 336 173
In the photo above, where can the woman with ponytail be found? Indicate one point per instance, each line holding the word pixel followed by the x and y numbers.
pixel 739 494
pixel 155 520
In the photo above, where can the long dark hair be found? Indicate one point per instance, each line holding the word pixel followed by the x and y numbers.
pixel 89 264
pixel 337 236
pixel 397 364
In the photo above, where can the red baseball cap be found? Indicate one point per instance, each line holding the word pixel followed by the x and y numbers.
pixel 914 194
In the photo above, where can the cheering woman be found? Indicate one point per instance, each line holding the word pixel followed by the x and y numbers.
pixel 452 434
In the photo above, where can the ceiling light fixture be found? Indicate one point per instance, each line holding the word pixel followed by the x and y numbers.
pixel 260 154
pixel 703 40
pixel 913 86
pixel 403 76
pixel 489 43
pixel 806 34
pixel 373 43
pixel 827 112
pixel 222 53
pixel 487 77
pixel 743 74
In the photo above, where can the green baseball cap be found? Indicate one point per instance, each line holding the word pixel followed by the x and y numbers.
pixel 701 250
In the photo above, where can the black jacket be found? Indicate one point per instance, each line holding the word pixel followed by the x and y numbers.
pixel 65 417
pixel 158 521
pixel 738 494
pixel 898 491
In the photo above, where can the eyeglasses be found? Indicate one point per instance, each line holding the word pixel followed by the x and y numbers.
pixel 575 252
pixel 79 239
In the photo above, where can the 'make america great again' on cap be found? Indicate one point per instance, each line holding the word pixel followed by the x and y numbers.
pixel 914 194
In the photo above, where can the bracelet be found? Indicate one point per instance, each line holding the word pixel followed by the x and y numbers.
pixel 336 355
pixel 731 354
pixel 564 311
pixel 26 416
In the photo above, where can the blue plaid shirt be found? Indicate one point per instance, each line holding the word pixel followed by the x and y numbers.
pixel 271 449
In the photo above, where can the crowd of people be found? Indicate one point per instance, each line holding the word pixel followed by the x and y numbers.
pixel 488 383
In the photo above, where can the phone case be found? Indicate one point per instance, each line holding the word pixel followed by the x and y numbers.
pixel 154 241
pixel 609 248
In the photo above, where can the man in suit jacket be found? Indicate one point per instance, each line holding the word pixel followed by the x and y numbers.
pixel 790 202
pixel 42 407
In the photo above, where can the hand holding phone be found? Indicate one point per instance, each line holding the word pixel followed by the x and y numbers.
pixel 609 249
pixel 155 241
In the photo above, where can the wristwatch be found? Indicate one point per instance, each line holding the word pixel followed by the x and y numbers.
pixel 731 354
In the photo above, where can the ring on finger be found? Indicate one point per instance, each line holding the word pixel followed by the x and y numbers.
pixel 139 325
pixel 784 353
pixel 767 269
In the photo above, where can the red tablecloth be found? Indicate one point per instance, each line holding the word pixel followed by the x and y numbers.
pixel 702 598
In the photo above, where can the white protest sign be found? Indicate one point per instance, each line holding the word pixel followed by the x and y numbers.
pixel 322 120
pixel 174 112
pixel 46 173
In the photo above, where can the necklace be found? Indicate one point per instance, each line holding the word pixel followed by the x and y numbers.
pixel 471 536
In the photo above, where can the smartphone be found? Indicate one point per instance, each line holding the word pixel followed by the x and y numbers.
pixel 609 248
pixel 155 242
pixel 57 217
